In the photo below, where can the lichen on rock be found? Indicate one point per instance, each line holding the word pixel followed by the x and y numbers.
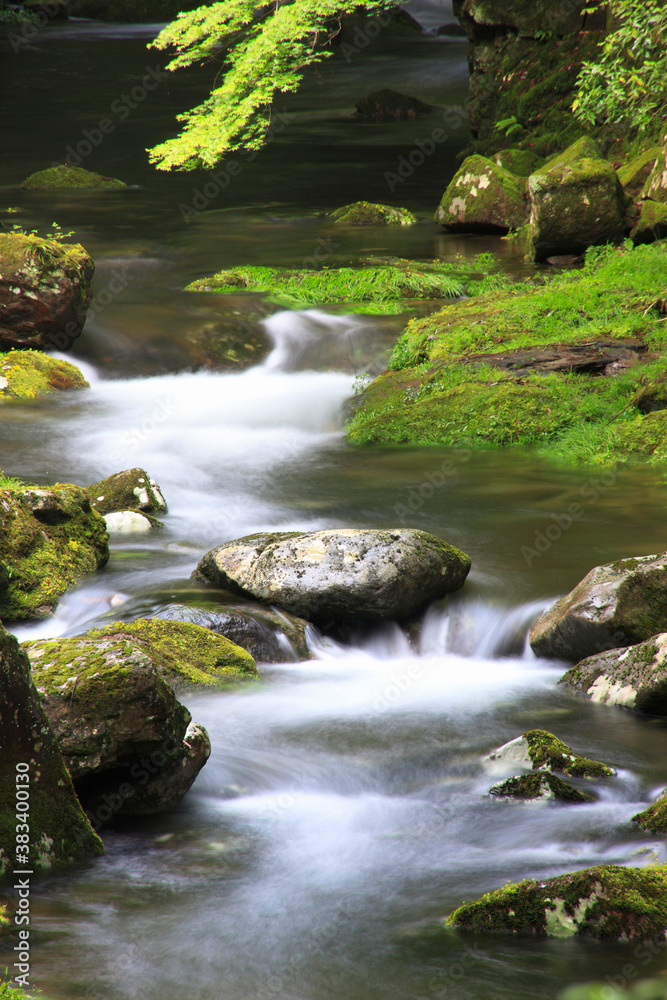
pixel 483 197
pixel 31 374
pixel 632 677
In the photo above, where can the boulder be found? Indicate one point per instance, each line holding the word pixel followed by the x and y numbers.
pixel 132 489
pixel 521 162
pixel 59 831
pixel 126 739
pixel 540 786
pixel 483 197
pixel 130 522
pixel 656 185
pixel 654 818
pixel 651 224
pixel 576 201
pixel 542 751
pixel 633 677
pixel 49 537
pixel 620 604
pixel 608 901
pixel 390 105
pixel 633 175
pixel 30 374
pixel 365 213
pixel 344 574
pixel 67 177
pixel 44 291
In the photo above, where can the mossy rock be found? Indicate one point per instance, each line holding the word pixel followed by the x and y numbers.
pixel 651 224
pixel 49 538
pixel 633 175
pixel 59 831
pixel 44 291
pixel 366 213
pixel 607 902
pixel 230 344
pixel 186 655
pixel 390 105
pixel 132 489
pixel 656 185
pixel 633 677
pixel 540 786
pixel 30 374
pixel 65 176
pixel 654 818
pixel 576 201
pixel 483 197
pixel 521 162
pixel 542 751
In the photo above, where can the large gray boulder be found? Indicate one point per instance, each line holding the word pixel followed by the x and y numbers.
pixel 483 197
pixel 339 575
pixel 620 604
pixel 633 677
pixel 59 832
pixel 576 201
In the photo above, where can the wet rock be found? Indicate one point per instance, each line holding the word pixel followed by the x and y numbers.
pixel 48 539
pixel 29 375
pixel 633 175
pixel 59 830
pixel 633 677
pixel 651 224
pixel 132 489
pixel 540 786
pixel 542 751
pixel 620 604
pixel 656 186
pixel 482 197
pixel 576 201
pixel 654 818
pixel 609 902
pixel 365 213
pixel 390 105
pixel 131 522
pixel 64 176
pixel 338 575
pixel 44 292
pixel 230 344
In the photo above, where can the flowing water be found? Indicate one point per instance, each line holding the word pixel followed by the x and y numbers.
pixel 344 809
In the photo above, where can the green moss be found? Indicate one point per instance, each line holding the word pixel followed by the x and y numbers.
pixel 636 989
pixel 30 374
pixel 483 196
pixel 64 176
pixel 548 752
pixel 21 250
pixel 366 213
pixel 634 173
pixel 187 655
pixel 651 224
pixel 603 902
pixel 521 162
pixel 654 818
pixel 538 786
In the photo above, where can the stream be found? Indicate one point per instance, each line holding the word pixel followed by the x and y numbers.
pixel 344 809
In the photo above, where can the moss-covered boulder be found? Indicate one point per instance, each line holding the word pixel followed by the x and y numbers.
pixel 540 786
pixel 609 902
pixel 651 224
pixel 483 197
pixel 30 374
pixel 122 732
pixel 132 489
pixel 338 575
pixel 619 604
pixel 656 185
pixel 44 291
pixel 634 174
pixel 633 677
pixel 64 176
pixel 521 162
pixel 49 538
pixel 654 818
pixel 59 832
pixel 390 105
pixel 366 213
pixel 576 201
pixel 542 751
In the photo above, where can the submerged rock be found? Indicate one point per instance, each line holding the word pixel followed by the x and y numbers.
pixel 44 291
pixel 59 831
pixel 132 489
pixel 48 539
pixel 542 751
pixel 31 374
pixel 632 677
pixel 540 786
pixel 483 197
pixel 64 176
pixel 339 575
pixel 619 604
pixel 576 201
pixel 390 105
pixel 366 213
pixel 610 902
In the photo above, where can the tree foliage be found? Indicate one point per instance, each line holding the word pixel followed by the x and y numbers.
pixel 264 50
pixel 627 86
